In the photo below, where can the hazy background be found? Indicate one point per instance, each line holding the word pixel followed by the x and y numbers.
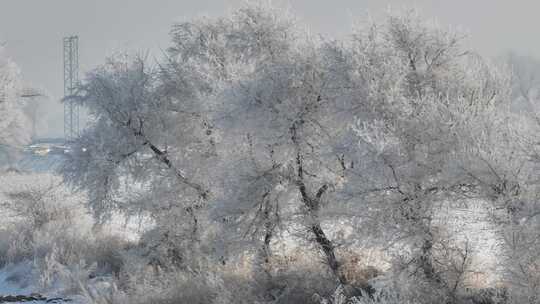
pixel 33 30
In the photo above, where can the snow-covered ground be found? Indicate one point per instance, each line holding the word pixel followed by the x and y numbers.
pixel 18 285
pixel 22 280
pixel 470 222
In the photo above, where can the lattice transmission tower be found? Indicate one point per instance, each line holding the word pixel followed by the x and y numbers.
pixel 71 80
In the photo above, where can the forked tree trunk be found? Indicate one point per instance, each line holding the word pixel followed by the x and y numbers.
pixel 313 205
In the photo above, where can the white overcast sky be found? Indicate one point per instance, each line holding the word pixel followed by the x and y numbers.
pixel 33 29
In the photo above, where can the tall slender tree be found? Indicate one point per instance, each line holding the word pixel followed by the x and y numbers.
pixel 15 128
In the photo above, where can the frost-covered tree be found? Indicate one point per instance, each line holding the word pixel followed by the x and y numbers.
pixel 282 133
pixel 518 223
pixel 250 128
pixel 143 153
pixel 14 125
pixel 430 121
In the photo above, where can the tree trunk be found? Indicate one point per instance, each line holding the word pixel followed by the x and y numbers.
pixel 313 206
pixel 426 264
pixel 268 234
pixel 329 252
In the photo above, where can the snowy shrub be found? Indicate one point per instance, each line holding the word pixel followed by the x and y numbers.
pixel 208 286
pixel 51 229
pixel 380 297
